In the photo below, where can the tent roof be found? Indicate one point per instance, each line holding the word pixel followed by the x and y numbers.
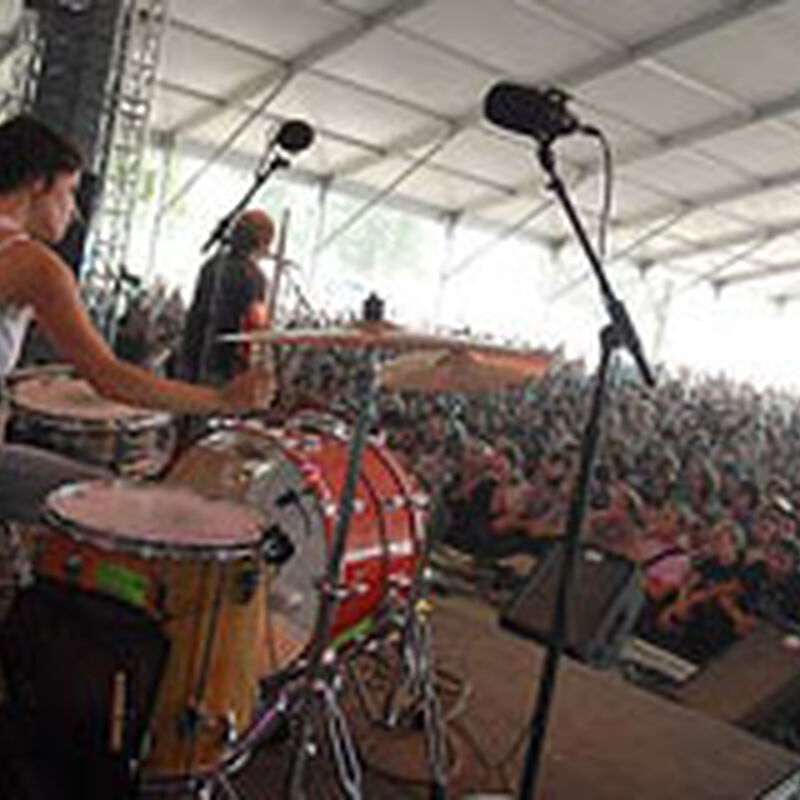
pixel 699 98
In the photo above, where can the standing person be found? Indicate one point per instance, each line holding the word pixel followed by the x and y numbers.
pixel 39 173
pixel 229 297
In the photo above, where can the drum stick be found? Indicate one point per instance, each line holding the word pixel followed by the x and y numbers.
pixel 280 266
pixel 118 702
pixel 261 354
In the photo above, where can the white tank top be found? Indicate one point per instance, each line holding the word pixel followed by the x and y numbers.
pixel 14 320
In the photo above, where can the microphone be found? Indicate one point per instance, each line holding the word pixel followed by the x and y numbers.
pixel 541 113
pixel 294 136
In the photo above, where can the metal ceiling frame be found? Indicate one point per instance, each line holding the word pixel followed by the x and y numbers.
pixel 728 240
pixel 717 197
pixel 745 276
pixel 646 48
pixel 306 58
pixel 690 137
pixel 443 128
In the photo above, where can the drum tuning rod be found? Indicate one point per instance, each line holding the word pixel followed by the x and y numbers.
pixel 118 704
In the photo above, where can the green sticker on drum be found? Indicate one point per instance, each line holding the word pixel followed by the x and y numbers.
pixel 123 583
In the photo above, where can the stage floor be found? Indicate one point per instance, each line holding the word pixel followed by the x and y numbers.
pixel 608 740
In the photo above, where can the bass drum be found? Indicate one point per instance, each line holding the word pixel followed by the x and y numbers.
pixel 294 476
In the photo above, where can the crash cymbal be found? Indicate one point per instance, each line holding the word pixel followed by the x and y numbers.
pixel 382 334
pixel 463 370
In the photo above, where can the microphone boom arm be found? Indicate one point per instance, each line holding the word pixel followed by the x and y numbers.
pixel 617 312
pixel 222 228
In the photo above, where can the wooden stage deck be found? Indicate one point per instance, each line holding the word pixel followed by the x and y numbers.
pixel 608 740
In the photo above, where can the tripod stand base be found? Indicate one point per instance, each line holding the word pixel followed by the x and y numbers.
pixel 400 754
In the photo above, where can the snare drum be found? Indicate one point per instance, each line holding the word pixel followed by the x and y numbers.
pixel 294 476
pixel 194 564
pixel 55 411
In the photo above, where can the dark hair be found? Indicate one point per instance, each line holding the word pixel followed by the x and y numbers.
pixel 30 150
pixel 249 230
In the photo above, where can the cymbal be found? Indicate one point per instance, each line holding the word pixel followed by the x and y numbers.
pixel 363 334
pixel 463 370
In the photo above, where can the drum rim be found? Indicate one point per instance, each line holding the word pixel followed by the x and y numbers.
pixel 139 421
pixel 148 548
pixel 138 418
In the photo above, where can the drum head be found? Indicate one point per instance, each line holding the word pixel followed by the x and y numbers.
pixel 65 397
pixel 145 518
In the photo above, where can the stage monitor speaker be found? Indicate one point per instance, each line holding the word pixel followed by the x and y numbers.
pixel 63 653
pixel 606 600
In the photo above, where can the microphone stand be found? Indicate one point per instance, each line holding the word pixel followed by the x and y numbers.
pixel 222 228
pixel 617 333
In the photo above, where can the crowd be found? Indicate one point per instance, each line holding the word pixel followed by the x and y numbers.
pixel 695 480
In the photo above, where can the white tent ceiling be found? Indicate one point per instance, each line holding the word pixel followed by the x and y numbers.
pixel 699 98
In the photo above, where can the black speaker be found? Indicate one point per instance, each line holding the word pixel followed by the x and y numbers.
pixel 606 600
pixel 82 672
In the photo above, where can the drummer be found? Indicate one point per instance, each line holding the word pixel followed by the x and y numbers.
pixel 39 173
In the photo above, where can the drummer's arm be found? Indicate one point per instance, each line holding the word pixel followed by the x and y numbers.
pixel 44 282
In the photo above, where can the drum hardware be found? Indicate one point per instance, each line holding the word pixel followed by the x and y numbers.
pixel 338 590
pixel 73 566
pixel 190 720
pixel 276 547
pixel 315 679
pixel 56 411
pixel 246 584
pixel 412 695
pixel 383 540
pixel 400 584
pixel 118 712
pixel 203 702
pixel 292 497
pixel 394 503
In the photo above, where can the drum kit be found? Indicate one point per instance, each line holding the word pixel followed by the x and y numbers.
pixel 264 557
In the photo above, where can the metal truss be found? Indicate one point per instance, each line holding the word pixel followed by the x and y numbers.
pixel 129 105
pixel 20 62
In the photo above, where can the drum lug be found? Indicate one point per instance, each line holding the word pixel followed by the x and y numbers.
pixel 73 566
pixel 400 583
pixel 192 721
pixel 276 546
pixel 161 597
pixel 420 501
pixel 247 584
pixel 342 591
pixel 189 722
pixel 395 503
pixel 230 735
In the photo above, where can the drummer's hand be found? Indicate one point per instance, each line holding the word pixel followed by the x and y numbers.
pixel 254 389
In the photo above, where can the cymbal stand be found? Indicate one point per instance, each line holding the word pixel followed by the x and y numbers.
pixel 414 692
pixel 321 677
pixel 417 683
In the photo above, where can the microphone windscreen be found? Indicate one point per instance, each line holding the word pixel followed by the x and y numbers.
pixel 528 110
pixel 295 135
